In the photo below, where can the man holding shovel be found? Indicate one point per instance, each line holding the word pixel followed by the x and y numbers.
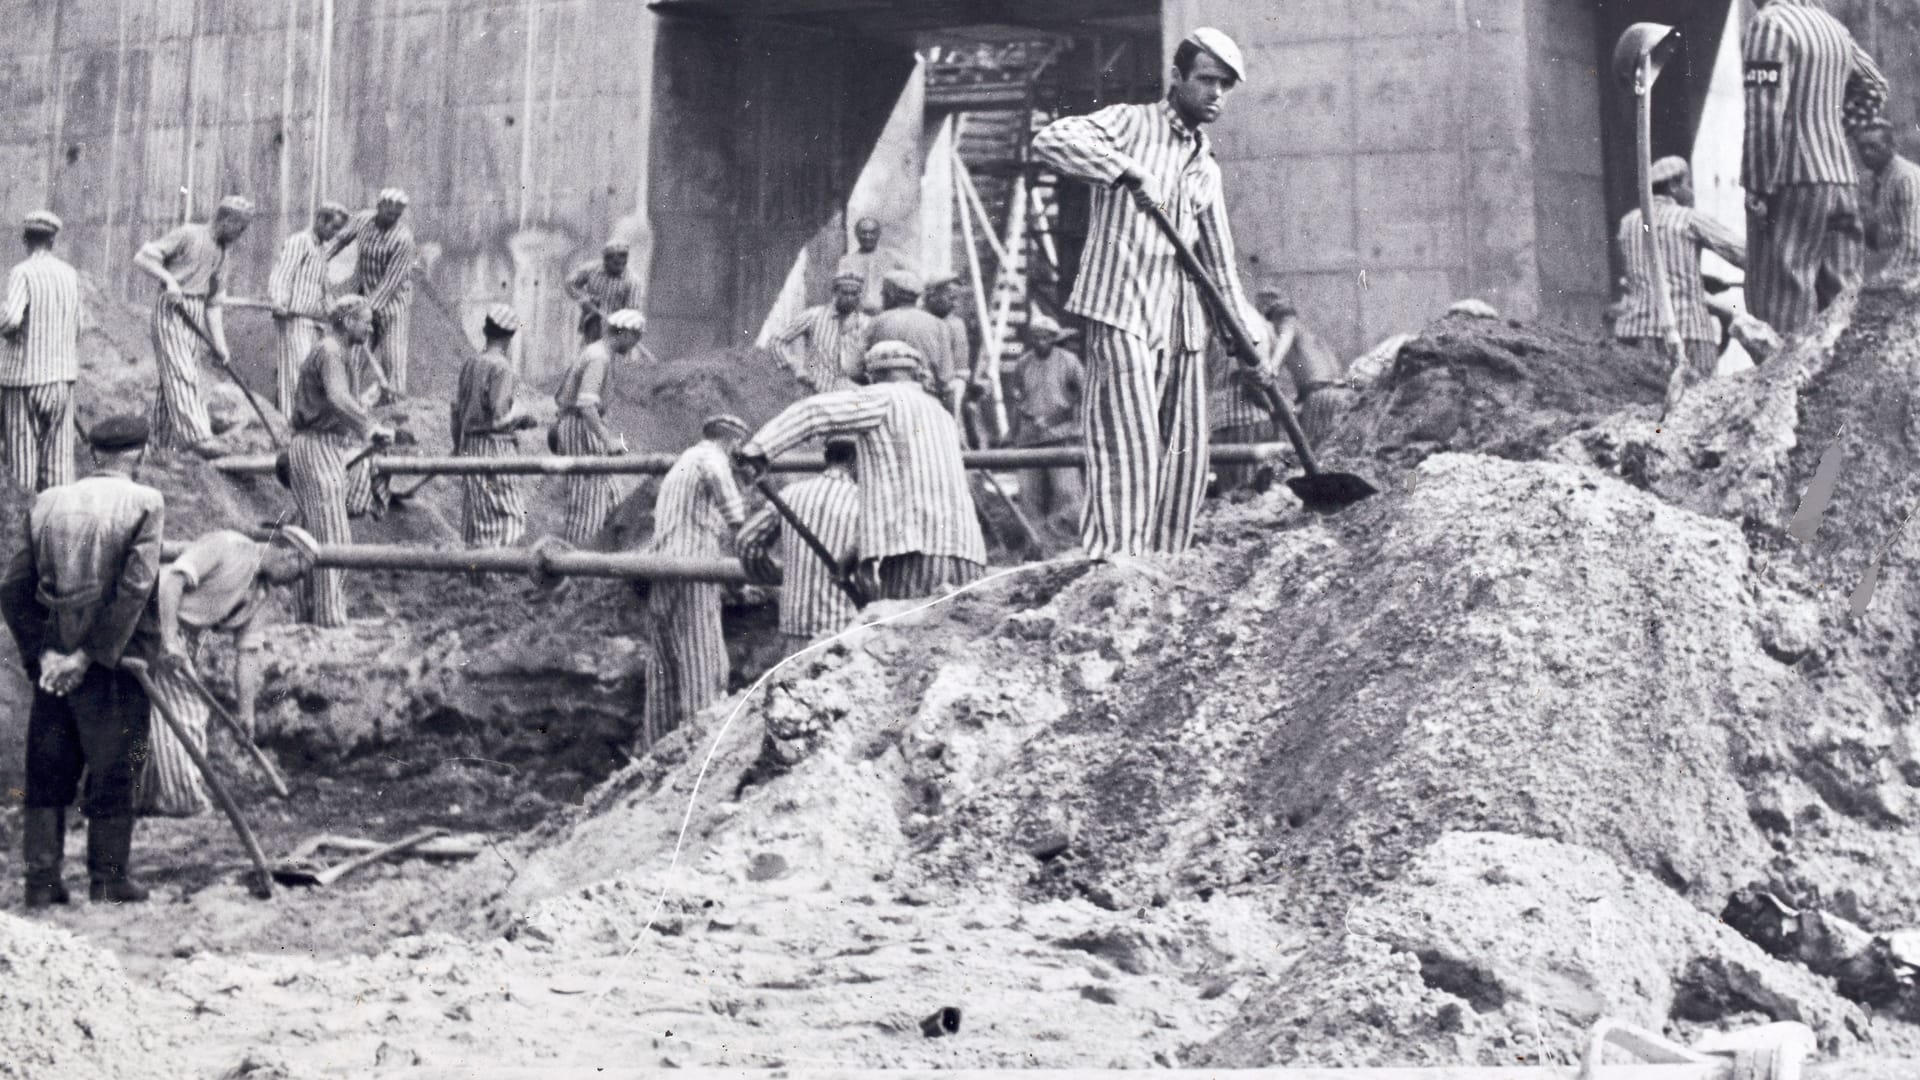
pixel 330 425
pixel 383 273
pixel 1147 326
pixel 187 321
pixel 298 291
pixel 582 428
pixel 487 420
pixel 812 600
pixel 1681 233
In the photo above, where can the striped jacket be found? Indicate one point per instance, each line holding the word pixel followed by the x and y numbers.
pixel 698 506
pixel 1895 192
pixel 1129 278
pixel 835 346
pixel 1680 232
pixel 913 483
pixel 1807 81
pixel 810 599
pixel 384 271
pixel 41 322
pixel 591 282
pixel 299 278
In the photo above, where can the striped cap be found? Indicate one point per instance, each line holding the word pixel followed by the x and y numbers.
pixel 627 319
pixel 328 206
pixel 893 356
pixel 394 195
pixel 41 221
pixel 724 424
pixel 237 204
pixel 504 317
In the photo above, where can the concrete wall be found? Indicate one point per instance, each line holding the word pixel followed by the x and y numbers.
pixel 1391 156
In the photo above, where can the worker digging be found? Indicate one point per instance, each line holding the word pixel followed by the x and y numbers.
pixel 1077 536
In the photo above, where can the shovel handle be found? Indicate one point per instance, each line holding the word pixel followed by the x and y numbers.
pixel 202 333
pixel 240 735
pixel 1229 320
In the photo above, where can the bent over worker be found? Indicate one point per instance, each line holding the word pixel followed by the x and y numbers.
pixel 486 420
pixel 40 321
pixel 919 532
pixel 1893 202
pixel 811 599
pixel 218 584
pixel 76 598
pixel 330 425
pixel 695 516
pixel 582 426
pixel 189 263
pixel 1806 82
pixel 1680 233
pixel 1146 397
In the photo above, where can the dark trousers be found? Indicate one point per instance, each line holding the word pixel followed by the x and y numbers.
pixel 100 727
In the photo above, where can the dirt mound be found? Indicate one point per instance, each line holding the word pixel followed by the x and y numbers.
pixel 69 1011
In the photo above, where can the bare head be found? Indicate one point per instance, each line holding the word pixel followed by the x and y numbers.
pixel 1202 77
pixel 328 219
pixel 351 317
pixel 941 298
pixel 231 219
pixel 613 259
pixel 866 233
pixel 841 453
pixel 846 293
pixel 1875 145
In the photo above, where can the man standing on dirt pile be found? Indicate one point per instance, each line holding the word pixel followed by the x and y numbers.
pixel 869 263
pixel 486 420
pixel 601 289
pixel 1806 82
pixel 384 275
pixel 1044 393
pixel 329 426
pixel 581 429
pixel 695 516
pixel 1893 196
pixel 41 324
pixel 1146 400
pixel 905 321
pixel 829 338
pixel 918 530
pixel 189 263
pixel 299 293
pixel 811 600
pixel 76 598
pixel 219 583
pixel 1680 233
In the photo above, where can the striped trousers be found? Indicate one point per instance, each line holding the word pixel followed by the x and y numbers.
pixel 493 512
pixel 179 412
pixel 297 339
pixel 916 574
pixel 367 494
pixel 590 499
pixel 688 666
pixel 390 344
pixel 36 434
pixel 172 786
pixel 1146 439
pixel 317 463
pixel 1324 407
pixel 1809 247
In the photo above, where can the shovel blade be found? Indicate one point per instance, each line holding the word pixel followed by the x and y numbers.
pixel 1330 491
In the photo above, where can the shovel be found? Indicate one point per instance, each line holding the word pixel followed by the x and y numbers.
pixel 1317 490
pixel 841 577
pixel 201 333
pixel 1637 59
pixel 287 874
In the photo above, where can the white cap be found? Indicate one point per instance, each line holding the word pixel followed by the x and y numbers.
pixel 627 319
pixel 1222 48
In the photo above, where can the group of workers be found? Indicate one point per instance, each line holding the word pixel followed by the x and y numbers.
pixel 106 632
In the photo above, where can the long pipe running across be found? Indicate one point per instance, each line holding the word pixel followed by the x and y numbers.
pixel 599 564
pixel 1043 457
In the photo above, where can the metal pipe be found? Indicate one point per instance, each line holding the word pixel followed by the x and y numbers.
pixel 1040 457
pixel 626 566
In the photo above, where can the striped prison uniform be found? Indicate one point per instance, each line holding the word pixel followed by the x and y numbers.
pixel 1146 411
pixel 493 511
pixel 298 283
pixel 695 515
pixel 1895 198
pixel 831 347
pixel 1234 412
pixel 926 333
pixel 41 324
pixel 811 599
pixel 383 273
pixel 916 509
pixel 1045 394
pixel 590 499
pixel 367 494
pixel 591 285
pixel 195 259
pixel 219 575
pixel 1807 81
pixel 329 426
pixel 1679 233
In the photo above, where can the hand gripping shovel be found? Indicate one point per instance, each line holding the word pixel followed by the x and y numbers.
pixel 841 576
pixel 1317 490
pixel 1637 59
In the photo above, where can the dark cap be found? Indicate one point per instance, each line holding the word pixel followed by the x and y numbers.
pixel 118 433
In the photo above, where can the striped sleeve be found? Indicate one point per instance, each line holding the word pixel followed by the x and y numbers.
pixel 396 252
pixel 1088 147
pixel 838 412
pixel 1768 68
pixel 717 477
pixel 280 280
pixel 1900 216
pixel 1723 241
pixel 755 540
pixel 15 313
pixel 1216 254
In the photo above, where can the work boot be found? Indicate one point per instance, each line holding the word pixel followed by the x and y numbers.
pixel 45 843
pixel 109 846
